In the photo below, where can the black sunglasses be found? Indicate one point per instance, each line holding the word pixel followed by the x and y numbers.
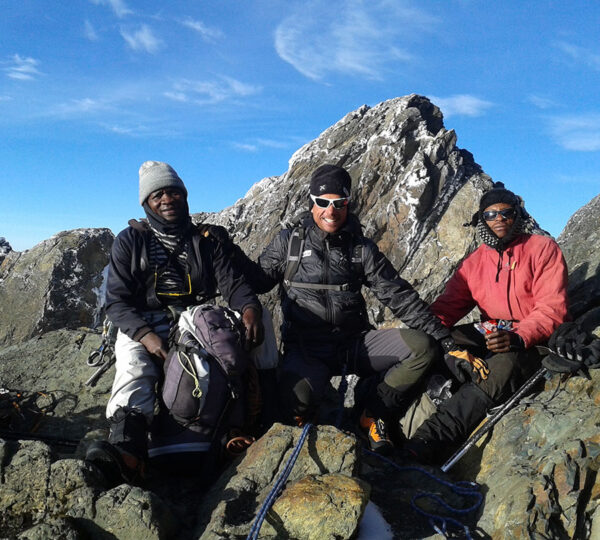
pixel 507 213
pixel 338 204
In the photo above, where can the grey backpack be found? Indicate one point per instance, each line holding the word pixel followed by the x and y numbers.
pixel 204 368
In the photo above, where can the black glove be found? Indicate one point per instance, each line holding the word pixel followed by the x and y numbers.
pixel 572 348
pixel 463 365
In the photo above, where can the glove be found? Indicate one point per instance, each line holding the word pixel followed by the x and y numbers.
pixel 467 367
pixel 572 348
pixel 463 365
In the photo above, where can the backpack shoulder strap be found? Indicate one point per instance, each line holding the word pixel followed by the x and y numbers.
pixel 294 254
pixel 358 260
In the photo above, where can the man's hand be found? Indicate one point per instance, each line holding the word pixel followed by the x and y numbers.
pixel 255 330
pixel 503 341
pixel 154 345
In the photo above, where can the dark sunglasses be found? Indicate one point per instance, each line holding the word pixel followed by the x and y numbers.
pixel 338 204
pixel 507 213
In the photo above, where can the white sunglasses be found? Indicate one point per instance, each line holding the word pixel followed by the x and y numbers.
pixel 338 204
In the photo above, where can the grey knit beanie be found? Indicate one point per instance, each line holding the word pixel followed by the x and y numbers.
pixel 156 175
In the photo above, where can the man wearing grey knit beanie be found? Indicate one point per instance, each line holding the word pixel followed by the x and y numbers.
pixel 158 267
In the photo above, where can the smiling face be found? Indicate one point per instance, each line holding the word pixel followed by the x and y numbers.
pixel 500 225
pixel 168 203
pixel 329 219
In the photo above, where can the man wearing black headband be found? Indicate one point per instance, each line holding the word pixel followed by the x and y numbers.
pixel 518 280
pixel 321 266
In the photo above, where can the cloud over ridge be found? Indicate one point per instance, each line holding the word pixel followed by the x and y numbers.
pixel 324 38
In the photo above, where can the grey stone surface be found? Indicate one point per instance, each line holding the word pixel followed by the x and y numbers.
pixel 54 285
pixel 579 242
pixel 230 507
pixel 540 467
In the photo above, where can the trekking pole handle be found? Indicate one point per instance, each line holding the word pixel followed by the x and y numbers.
pixel 493 420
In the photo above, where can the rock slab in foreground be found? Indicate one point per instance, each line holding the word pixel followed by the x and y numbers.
pixel 541 465
pixel 328 457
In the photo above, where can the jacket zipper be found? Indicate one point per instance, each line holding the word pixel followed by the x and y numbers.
pixel 326 253
pixel 508 282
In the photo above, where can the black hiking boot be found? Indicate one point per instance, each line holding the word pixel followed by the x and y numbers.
pixel 117 467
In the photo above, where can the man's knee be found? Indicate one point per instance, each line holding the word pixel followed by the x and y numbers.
pixel 410 370
pixel 503 376
pixel 424 349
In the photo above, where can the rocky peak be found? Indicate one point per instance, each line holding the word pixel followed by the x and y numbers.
pixel 413 188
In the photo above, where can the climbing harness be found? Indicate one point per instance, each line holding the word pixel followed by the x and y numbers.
pixel 440 523
pixel 278 486
pixel 103 357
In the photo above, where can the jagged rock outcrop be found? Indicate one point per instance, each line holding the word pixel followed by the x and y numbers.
pixel 5 248
pixel 412 189
pixel 54 285
pixel 579 242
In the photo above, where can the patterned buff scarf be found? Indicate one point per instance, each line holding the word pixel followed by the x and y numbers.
pixel 524 224
pixel 166 238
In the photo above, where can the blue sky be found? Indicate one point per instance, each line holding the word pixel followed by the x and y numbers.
pixel 226 91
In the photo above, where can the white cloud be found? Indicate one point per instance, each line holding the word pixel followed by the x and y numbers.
pixel 77 107
pixel 461 105
pixel 262 143
pixel 577 132
pixel 246 147
pixel 541 102
pixel 580 54
pixel 358 39
pixel 22 68
pixel 89 31
pixel 209 92
pixel 118 6
pixel 207 33
pixel 142 39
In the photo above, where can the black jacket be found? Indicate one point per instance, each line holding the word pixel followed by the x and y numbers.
pixel 327 258
pixel 129 290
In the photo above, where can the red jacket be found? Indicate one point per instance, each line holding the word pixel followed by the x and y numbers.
pixel 530 288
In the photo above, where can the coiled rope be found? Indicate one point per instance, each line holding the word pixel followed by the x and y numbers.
pixel 440 523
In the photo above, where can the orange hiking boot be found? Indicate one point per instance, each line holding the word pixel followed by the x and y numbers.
pixel 375 432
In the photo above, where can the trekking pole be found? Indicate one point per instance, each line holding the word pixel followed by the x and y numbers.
pixel 494 419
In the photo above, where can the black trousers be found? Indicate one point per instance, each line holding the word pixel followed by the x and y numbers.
pixel 401 357
pixel 456 417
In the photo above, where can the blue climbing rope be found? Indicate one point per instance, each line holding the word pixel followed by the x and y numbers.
pixel 437 522
pixel 278 486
